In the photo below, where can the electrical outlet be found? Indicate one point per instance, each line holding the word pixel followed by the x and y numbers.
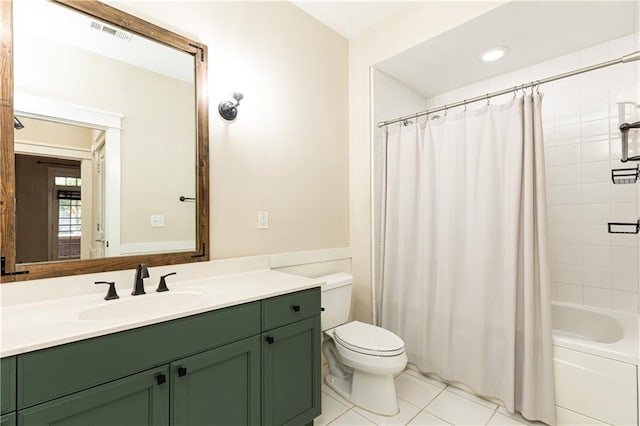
pixel 263 220
pixel 157 221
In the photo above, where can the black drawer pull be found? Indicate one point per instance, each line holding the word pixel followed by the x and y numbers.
pixel 296 308
pixel 161 378
pixel 182 371
pixel 270 340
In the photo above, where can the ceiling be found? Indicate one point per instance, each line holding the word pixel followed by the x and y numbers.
pixel 350 18
pixel 534 31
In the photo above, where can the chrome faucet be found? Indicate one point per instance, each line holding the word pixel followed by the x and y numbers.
pixel 138 285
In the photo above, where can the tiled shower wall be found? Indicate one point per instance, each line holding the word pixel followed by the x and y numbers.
pixel 582 143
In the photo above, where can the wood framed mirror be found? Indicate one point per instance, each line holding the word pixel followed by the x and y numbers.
pixel 104 152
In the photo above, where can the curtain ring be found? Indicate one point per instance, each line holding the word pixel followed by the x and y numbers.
pixel 488 103
pixel 445 110
pixel 538 87
pixel 515 91
pixel 465 105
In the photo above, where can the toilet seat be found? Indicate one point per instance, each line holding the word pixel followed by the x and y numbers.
pixel 368 339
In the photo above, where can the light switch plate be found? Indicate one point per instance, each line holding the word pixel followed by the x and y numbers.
pixel 263 220
pixel 157 220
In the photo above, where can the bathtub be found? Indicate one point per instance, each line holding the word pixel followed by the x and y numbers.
pixel 596 365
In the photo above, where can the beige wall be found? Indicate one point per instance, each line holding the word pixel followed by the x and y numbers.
pixel 399 32
pixel 287 152
pixel 48 133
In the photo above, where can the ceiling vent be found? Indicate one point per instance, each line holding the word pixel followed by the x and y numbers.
pixel 122 35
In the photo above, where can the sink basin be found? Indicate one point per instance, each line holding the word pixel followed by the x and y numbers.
pixel 143 305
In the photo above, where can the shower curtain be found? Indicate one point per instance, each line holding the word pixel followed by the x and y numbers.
pixel 465 275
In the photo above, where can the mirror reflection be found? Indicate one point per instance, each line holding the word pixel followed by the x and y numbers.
pixel 108 145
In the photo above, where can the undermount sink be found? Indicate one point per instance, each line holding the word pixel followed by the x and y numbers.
pixel 157 303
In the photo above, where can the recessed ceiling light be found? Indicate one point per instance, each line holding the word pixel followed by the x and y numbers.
pixel 494 53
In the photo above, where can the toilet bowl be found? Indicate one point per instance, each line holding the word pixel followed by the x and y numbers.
pixel 362 358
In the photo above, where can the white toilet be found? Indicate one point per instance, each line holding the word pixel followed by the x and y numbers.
pixel 362 358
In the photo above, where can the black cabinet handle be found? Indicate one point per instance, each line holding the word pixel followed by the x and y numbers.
pixel 161 378
pixel 182 371
pixel 322 309
pixel 296 308
pixel 270 340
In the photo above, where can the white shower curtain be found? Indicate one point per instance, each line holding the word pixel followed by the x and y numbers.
pixel 465 276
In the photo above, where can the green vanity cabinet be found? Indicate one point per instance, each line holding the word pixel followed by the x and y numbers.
pixel 137 400
pixel 291 380
pixel 7 386
pixel 220 386
pixel 8 419
pixel 256 363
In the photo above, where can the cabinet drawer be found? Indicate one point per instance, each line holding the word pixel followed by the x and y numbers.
pixel 8 384
pixel 62 370
pixel 289 308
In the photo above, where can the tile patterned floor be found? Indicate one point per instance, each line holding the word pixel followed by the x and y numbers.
pixel 422 401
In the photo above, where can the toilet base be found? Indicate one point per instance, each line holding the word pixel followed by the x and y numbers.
pixel 374 393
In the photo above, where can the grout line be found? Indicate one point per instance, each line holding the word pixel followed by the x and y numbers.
pixel 492 416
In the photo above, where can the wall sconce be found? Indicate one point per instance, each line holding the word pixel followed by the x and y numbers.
pixel 229 109
pixel 17 124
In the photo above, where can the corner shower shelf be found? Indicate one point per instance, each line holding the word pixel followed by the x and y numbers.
pixel 623 176
pixel 624 228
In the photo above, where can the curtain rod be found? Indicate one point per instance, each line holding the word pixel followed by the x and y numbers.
pixel 635 56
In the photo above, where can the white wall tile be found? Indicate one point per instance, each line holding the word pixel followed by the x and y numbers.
pixel 567 274
pixel 624 257
pixel 595 235
pixel 566 175
pixel 625 302
pixel 565 194
pixel 565 234
pixel 624 193
pixel 596 255
pixel 599 127
pixel 565 253
pixel 594 214
pixel 561 155
pixel 623 212
pixel 595 192
pixel 624 279
pixel 569 293
pixel 592 151
pixel 598 172
pixel 598 297
pixel 596 276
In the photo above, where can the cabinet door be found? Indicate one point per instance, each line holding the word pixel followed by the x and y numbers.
pixel 137 400
pixel 218 387
pixel 8 385
pixel 291 373
pixel 8 420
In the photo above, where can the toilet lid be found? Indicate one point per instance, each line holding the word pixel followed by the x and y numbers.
pixel 368 339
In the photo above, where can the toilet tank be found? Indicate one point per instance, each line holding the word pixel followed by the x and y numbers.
pixel 335 299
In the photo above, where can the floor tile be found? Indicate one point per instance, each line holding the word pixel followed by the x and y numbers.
pixel 472 397
pixel 335 395
pixel 351 418
pixel 502 420
pixel 407 412
pixel 458 410
pixel 331 410
pixel 427 419
pixel 416 391
pixel 427 379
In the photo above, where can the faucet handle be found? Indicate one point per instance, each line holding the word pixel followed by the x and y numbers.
pixel 111 293
pixel 162 286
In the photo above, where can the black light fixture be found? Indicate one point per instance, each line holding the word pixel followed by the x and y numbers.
pixel 17 124
pixel 229 109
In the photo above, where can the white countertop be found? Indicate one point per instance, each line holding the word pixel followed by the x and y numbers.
pixel 44 323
